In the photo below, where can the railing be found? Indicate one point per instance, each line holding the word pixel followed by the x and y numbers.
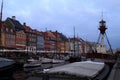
pixel 38 51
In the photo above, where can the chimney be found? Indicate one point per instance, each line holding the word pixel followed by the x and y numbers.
pixel 24 24
pixel 13 17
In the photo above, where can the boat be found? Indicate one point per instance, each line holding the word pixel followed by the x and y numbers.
pixel 32 63
pixel 56 61
pixel 7 66
pixel 84 70
pixel 52 61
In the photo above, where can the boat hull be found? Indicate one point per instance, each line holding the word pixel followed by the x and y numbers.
pixel 7 67
pixel 31 65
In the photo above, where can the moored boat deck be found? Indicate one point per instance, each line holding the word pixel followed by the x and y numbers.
pixel 82 70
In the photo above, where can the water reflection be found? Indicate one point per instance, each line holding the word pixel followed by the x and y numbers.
pixel 20 75
pixel 32 73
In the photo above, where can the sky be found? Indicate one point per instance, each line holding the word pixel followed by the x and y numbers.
pixel 64 15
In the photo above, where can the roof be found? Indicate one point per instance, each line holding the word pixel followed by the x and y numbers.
pixel 50 34
pixel 76 39
pixel 28 29
pixel 63 37
pixel 17 24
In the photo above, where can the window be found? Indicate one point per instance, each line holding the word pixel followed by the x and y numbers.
pixel 11 30
pixel 1 30
pixel 6 29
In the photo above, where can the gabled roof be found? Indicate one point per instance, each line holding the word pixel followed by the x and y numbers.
pixel 63 37
pixel 27 28
pixel 18 26
pixel 56 33
pixel 38 32
pixel 50 34
pixel 60 35
pixel 76 39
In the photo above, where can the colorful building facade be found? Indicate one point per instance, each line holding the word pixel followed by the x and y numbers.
pixel 40 41
pixel 31 39
pixel 8 36
pixel 23 37
pixel 49 41
pixel 20 40
pixel 14 34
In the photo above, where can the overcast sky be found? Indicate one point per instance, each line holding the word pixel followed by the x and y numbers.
pixel 63 15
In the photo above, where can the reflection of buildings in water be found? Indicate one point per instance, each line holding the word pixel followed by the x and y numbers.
pixel 33 73
pixel 20 75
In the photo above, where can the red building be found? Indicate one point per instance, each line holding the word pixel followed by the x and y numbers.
pixel 14 34
pixel 20 40
pixel 49 41
pixel 31 38
pixel 55 41
pixel 64 43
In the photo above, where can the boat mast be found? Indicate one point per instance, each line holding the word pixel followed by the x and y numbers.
pixel 74 41
pixel 1 11
pixel 1 24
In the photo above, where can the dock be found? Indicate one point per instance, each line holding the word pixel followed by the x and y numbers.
pixel 115 72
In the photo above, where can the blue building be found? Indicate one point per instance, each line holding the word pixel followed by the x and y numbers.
pixel 40 42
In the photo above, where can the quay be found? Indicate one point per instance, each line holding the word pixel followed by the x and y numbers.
pixel 115 72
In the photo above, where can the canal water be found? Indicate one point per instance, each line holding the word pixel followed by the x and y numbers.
pixel 30 73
